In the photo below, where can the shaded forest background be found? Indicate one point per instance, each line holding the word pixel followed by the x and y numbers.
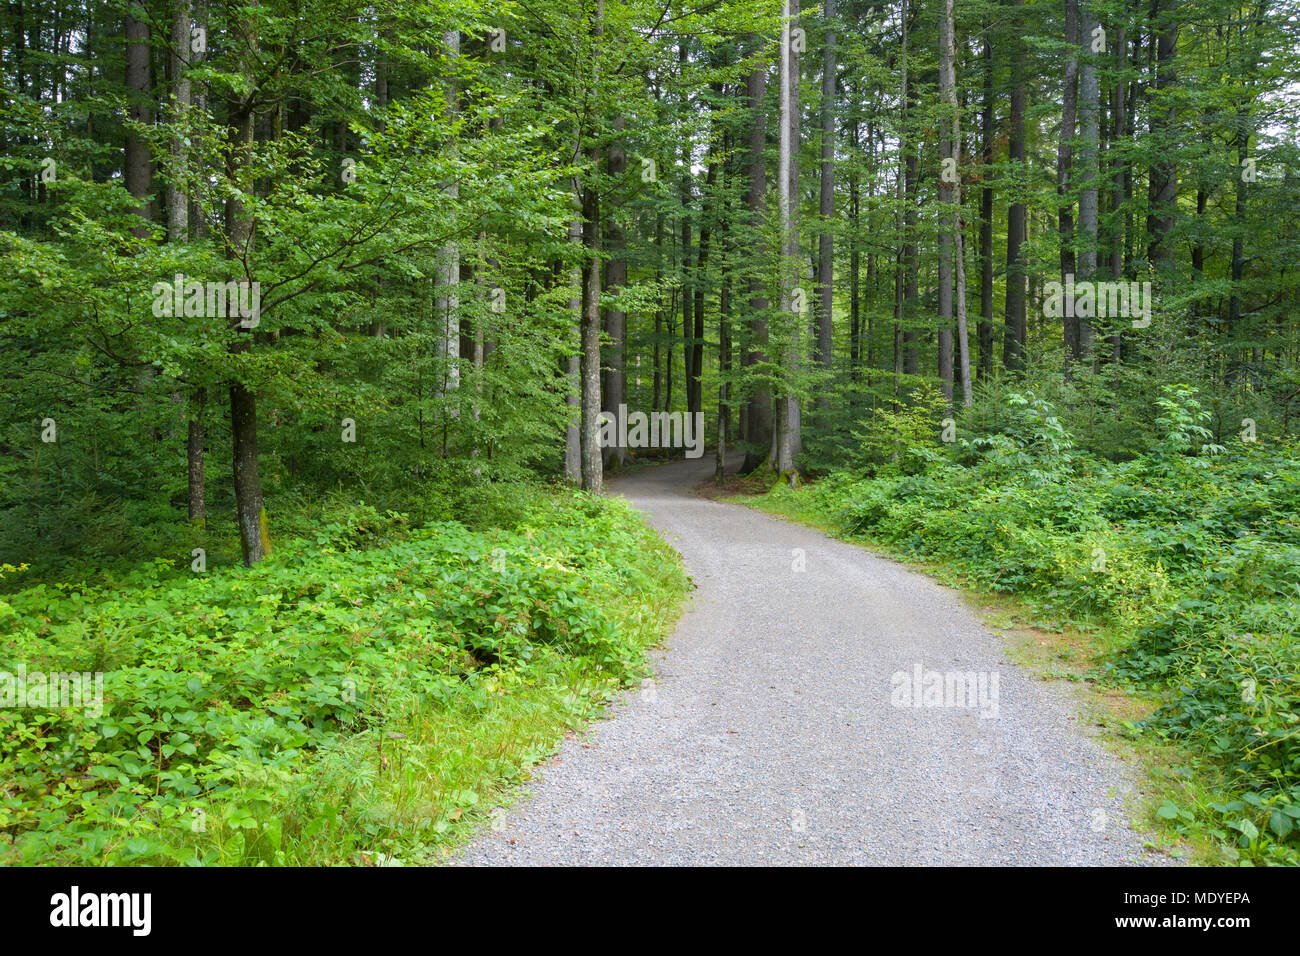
pixel 475 226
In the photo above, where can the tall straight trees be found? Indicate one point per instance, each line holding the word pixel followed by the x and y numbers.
pixel 758 411
pixel 1015 328
pixel 826 204
pixel 786 438
pixel 950 193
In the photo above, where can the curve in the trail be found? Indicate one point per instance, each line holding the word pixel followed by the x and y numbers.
pixel 776 730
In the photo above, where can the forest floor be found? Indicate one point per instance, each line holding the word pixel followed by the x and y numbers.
pixel 775 730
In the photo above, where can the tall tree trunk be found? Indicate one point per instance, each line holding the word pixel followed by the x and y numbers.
pixel 198 227
pixel 1014 336
pixel 1064 161
pixel 659 314
pixel 758 412
pixel 178 205
pixel 573 434
pixel 447 303
pixel 786 444
pixel 688 297
pixel 1089 107
pixel 949 150
pixel 1162 192
pixel 724 325
pixel 1118 168
pixel 826 206
pixel 592 472
pixel 695 387
pixel 615 318
pixel 254 532
pixel 136 166
pixel 948 84
pixel 855 253
pixel 911 259
pixel 902 221
pixel 254 535
pixel 987 134
pixel 378 327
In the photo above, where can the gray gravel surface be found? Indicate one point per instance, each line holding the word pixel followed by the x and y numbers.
pixel 770 733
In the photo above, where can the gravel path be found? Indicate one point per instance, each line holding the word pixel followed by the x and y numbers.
pixel 770 734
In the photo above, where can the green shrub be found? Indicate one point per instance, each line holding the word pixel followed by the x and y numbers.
pixel 225 691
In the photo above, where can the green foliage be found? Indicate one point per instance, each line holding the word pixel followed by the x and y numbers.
pixel 902 438
pixel 226 693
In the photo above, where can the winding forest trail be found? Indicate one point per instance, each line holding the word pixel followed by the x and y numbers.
pixel 769 735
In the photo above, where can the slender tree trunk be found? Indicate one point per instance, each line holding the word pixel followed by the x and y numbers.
pixel 178 205
pixel 616 319
pixel 136 166
pixel 786 436
pixel 903 220
pixel 592 472
pixel 855 253
pixel 1064 161
pixel 1118 168
pixel 724 328
pixel 688 297
pixel 447 302
pixel 1089 107
pixel 1162 192
pixel 655 403
pixel 194 459
pixel 826 206
pixel 987 134
pixel 573 434
pixel 758 414
pixel 254 531
pixel 949 150
pixel 948 84
pixel 1014 337
pixel 695 387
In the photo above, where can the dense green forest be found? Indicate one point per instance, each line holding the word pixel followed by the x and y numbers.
pixel 312 314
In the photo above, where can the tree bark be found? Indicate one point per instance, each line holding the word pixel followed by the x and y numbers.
pixel 758 412
pixel 1064 162
pixel 194 460
pixel 1089 106
pixel 615 319
pixel 573 433
pixel 1014 336
pixel 948 84
pixel 592 471
pixel 1162 191
pixel 254 532
pixel 136 166
pixel 826 207
pixel 948 151
pixel 987 134
pixel 447 301
pixel 786 436
pixel 178 204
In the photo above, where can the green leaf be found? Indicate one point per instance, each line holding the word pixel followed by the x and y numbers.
pixel 1280 824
